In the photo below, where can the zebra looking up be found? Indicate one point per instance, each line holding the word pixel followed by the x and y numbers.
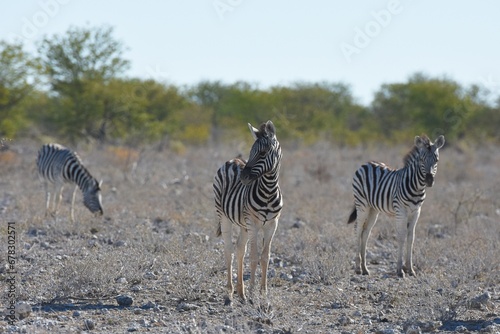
pixel 398 192
pixel 247 194
pixel 58 165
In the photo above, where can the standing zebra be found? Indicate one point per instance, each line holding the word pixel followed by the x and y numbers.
pixel 398 192
pixel 247 194
pixel 60 165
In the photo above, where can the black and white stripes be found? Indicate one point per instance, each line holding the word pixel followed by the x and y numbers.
pixel 247 194
pixel 58 165
pixel 378 188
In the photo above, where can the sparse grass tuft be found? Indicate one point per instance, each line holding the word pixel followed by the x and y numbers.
pixel 123 157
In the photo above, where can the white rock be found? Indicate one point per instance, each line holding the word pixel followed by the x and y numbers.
pixel 23 310
pixel 479 301
pixel 88 324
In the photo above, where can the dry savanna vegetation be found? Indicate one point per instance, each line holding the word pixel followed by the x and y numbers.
pixel 156 244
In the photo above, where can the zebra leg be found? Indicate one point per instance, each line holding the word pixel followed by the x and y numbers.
pixel 253 231
pixel 47 199
pixel 360 225
pixel 412 223
pixel 269 231
pixel 227 234
pixel 241 248
pixel 402 228
pixel 365 234
pixel 58 197
pixel 72 212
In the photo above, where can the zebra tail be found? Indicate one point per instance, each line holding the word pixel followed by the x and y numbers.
pixel 219 231
pixel 353 216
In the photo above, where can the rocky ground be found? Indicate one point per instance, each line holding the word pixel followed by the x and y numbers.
pixel 152 263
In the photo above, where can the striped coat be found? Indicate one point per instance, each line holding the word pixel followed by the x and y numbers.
pixel 58 165
pixel 401 192
pixel 247 194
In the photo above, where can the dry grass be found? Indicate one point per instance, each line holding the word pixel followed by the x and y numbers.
pixel 156 243
pixel 8 158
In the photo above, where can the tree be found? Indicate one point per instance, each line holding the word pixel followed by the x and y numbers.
pixel 139 110
pixel 75 64
pixel 305 111
pixel 208 96
pixel 319 110
pixel 17 68
pixel 422 105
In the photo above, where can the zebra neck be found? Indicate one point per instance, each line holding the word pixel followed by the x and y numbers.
pixel 414 174
pixel 269 183
pixel 84 181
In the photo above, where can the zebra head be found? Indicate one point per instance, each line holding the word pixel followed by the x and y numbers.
pixel 429 157
pixel 92 197
pixel 265 155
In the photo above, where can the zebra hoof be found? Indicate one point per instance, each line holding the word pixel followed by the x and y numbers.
pixel 265 307
pixel 227 301
pixel 410 272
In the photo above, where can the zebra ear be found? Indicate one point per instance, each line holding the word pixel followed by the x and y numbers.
pixel 270 129
pixel 439 142
pixel 419 142
pixel 254 131
pixel 100 184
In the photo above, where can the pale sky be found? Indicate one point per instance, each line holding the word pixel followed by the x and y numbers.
pixel 276 42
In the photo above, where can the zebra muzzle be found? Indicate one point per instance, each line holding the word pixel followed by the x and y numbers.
pixel 429 180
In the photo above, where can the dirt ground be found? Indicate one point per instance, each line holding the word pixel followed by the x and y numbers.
pixel 156 244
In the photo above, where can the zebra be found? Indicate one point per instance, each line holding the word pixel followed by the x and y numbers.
pixel 58 165
pixel 401 192
pixel 248 195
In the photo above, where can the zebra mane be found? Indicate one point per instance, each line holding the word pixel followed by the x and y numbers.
pixel 415 150
pixel 91 180
pixel 426 139
pixel 239 161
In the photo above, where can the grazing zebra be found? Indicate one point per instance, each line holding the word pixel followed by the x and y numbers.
pixel 59 165
pixel 247 194
pixel 398 192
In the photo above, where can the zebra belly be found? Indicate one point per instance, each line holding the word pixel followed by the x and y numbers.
pixel 266 215
pixel 387 208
